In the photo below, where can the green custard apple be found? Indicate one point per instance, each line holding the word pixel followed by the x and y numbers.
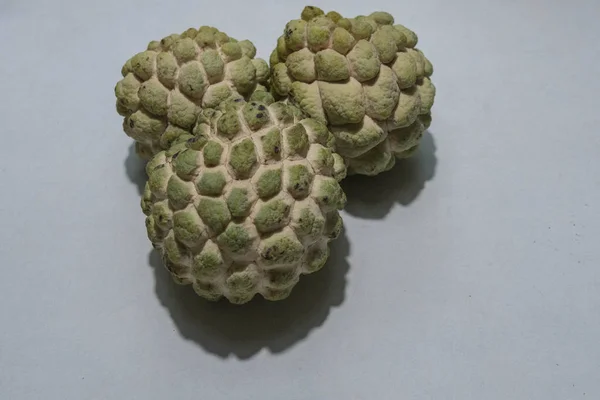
pixel 165 87
pixel 247 203
pixel 363 77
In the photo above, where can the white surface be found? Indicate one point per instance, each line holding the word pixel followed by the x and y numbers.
pixel 471 272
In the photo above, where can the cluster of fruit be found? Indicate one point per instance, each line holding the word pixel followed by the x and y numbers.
pixel 244 157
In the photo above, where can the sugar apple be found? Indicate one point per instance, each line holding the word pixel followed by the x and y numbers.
pixel 165 87
pixel 248 204
pixel 363 77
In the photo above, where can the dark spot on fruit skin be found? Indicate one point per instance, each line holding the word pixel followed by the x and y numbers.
pixel 159 167
pixel 259 115
pixel 192 140
pixel 276 150
pixel 268 254
pixel 254 104
pixel 175 155
pixel 297 186
pixel 237 100
pixel 325 199
pixel 131 124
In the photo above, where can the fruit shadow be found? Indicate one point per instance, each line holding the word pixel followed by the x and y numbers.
pixel 224 329
pixel 135 168
pixel 372 197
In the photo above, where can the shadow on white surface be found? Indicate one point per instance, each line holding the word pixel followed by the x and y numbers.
pixel 135 169
pixel 225 329
pixel 373 197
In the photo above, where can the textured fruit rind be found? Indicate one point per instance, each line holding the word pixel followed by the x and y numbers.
pixel 363 77
pixel 249 210
pixel 165 87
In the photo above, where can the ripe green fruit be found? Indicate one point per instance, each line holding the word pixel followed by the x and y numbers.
pixel 363 77
pixel 248 204
pixel 165 87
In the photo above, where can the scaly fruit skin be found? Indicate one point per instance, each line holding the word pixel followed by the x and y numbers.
pixel 248 204
pixel 165 87
pixel 363 77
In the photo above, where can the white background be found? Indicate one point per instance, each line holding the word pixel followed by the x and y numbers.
pixel 468 272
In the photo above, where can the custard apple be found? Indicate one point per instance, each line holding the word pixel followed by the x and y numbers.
pixel 363 77
pixel 165 87
pixel 248 204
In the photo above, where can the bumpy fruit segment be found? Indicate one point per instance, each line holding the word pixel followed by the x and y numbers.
pixel 165 88
pixel 248 204
pixel 363 77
